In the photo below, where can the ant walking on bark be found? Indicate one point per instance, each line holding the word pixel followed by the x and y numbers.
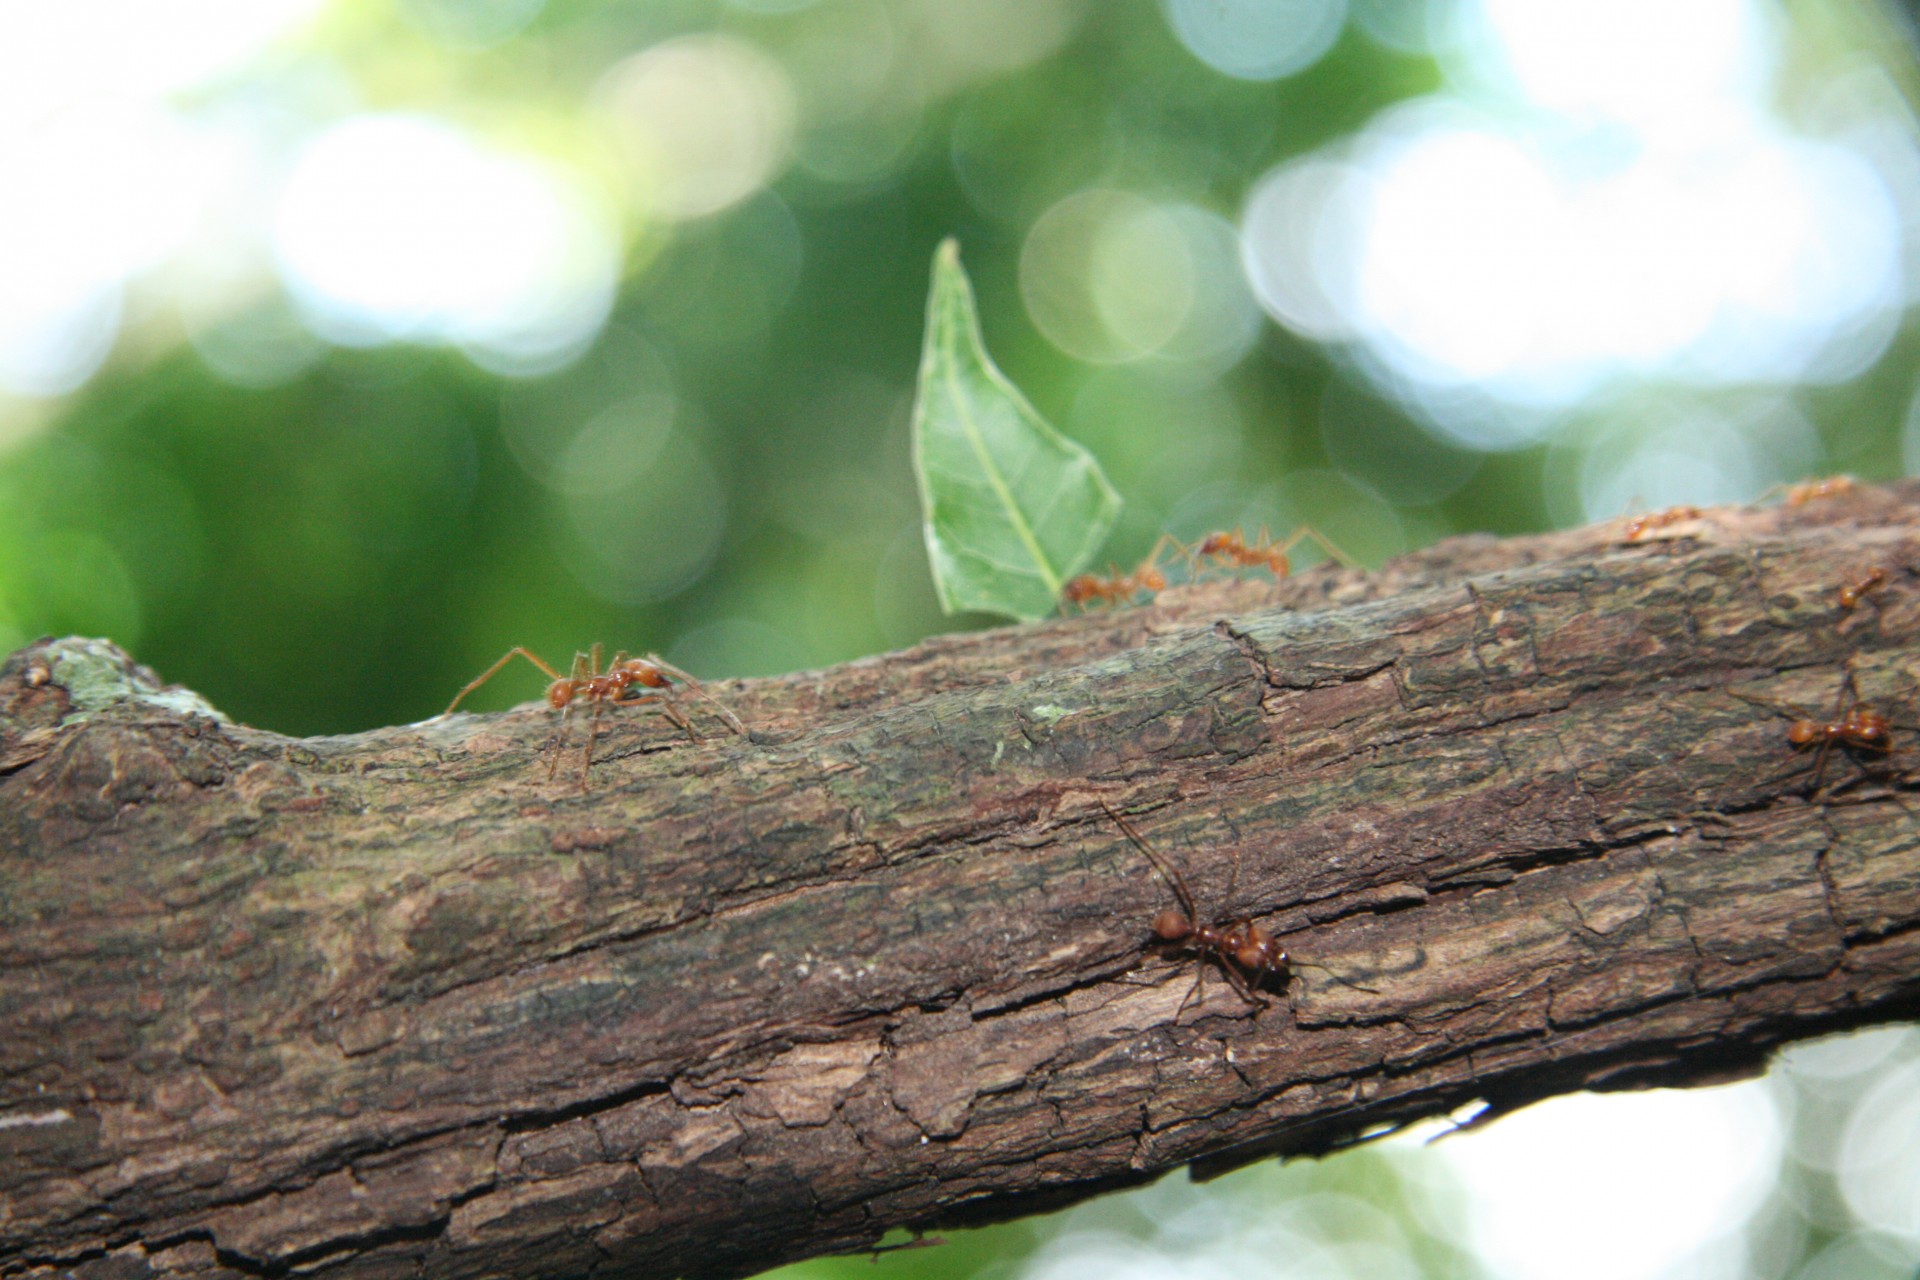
pixel 610 687
pixel 1799 495
pixel 1853 727
pixel 1851 593
pixel 1089 589
pixel 1246 953
pixel 1638 527
pixel 1232 550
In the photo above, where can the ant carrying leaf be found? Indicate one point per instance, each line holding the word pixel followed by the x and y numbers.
pixel 1117 588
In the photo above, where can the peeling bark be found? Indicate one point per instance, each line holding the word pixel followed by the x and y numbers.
pixel 1524 812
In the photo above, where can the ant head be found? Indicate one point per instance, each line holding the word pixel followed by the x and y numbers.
pixel 1214 543
pixel 1172 926
pixel 1802 732
pixel 1151 579
pixel 561 692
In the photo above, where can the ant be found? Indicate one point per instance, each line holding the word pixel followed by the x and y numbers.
pixel 1232 550
pixel 1642 525
pixel 1247 954
pixel 1854 726
pixel 1799 495
pixel 589 683
pixel 1852 593
pixel 1089 589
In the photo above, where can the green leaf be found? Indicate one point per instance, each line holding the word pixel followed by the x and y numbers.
pixel 1012 508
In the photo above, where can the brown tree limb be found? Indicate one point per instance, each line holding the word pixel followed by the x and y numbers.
pixel 394 1003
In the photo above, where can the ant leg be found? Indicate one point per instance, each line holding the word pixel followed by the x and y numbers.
pixel 1766 704
pixel 490 672
pixel 1820 763
pixel 668 708
pixel 726 713
pixel 593 734
pixel 1845 699
pixel 1165 540
pixel 1240 983
pixel 1181 552
pixel 1845 694
pixel 559 736
pixel 1191 553
pixel 579 677
pixel 1193 992
pixel 1345 982
pixel 1321 539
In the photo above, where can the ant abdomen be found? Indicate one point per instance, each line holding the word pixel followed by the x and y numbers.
pixel 1258 951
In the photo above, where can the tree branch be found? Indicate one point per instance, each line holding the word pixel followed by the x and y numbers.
pixel 1525 813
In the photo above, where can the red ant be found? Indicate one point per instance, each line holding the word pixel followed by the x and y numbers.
pixel 1642 525
pixel 605 688
pixel 1799 495
pixel 1232 550
pixel 1089 589
pixel 1852 593
pixel 1247 954
pixel 1854 726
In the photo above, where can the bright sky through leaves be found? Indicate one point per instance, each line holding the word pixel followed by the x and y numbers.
pixel 1539 232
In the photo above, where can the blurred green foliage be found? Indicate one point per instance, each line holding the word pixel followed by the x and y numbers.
pixel 349 546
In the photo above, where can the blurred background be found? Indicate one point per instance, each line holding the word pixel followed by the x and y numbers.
pixel 346 343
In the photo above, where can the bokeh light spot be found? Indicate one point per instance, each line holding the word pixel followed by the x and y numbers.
pixel 1879 1162
pixel 644 540
pixel 399 227
pixel 702 122
pixel 471 24
pixel 1109 275
pixel 1257 39
pixel 1643 61
pixel 1294 238
pixel 102 191
pixel 1544 253
pixel 1674 449
pixel 1684 1167
pixel 266 346
pixel 598 426
pixel 56 53
pixel 78 584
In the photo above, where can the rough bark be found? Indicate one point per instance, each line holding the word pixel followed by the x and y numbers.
pixel 395 1003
